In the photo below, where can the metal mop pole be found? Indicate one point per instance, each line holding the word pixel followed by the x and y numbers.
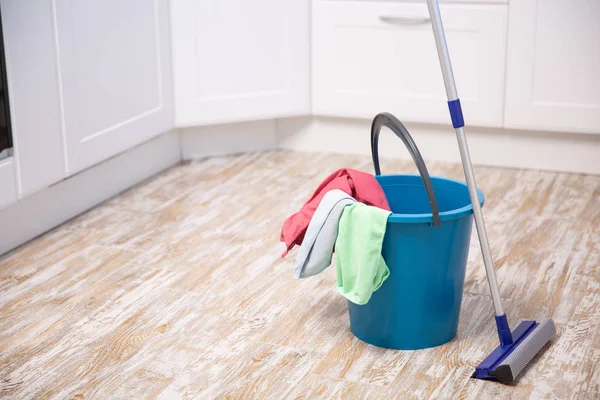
pixel 458 123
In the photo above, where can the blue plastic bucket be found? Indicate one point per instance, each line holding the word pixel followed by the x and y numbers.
pixel 426 246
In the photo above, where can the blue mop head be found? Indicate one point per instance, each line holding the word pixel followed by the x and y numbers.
pixel 508 361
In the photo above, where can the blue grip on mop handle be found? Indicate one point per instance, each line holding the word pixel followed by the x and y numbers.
pixel 456 113
pixel 503 330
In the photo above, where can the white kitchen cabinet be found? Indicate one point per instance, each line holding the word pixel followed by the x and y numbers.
pixel 114 76
pixel 8 183
pixel 33 93
pixel 239 60
pixel 553 65
pixel 370 57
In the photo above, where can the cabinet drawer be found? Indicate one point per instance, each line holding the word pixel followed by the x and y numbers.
pixel 370 57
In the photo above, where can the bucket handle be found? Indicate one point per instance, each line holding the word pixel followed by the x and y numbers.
pixel 387 119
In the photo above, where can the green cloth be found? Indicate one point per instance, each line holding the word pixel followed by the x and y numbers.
pixel 360 266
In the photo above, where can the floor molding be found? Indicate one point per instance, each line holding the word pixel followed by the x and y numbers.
pixel 564 152
pixel 215 140
pixel 42 211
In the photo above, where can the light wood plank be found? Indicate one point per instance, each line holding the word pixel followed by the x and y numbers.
pixel 176 289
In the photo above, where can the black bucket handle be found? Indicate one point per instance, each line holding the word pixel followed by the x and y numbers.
pixel 387 119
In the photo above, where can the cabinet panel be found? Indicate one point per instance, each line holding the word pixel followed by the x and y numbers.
pixel 114 76
pixel 8 183
pixel 553 61
pixel 236 60
pixel 33 93
pixel 370 57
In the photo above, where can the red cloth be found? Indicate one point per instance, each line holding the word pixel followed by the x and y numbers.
pixel 360 185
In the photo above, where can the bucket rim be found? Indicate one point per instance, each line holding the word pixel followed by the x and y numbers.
pixel 449 215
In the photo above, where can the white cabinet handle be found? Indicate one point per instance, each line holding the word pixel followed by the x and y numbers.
pixel 404 20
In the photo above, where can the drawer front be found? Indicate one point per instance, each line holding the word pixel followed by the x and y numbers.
pixel 370 57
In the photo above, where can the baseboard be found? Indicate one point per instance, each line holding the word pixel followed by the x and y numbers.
pixel 494 147
pixel 216 140
pixel 44 210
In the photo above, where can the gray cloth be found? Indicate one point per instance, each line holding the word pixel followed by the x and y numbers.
pixel 316 250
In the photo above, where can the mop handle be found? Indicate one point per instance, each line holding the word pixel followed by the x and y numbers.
pixel 458 124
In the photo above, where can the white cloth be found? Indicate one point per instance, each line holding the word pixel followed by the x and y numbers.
pixel 316 251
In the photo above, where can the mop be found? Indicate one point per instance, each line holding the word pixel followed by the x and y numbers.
pixel 519 347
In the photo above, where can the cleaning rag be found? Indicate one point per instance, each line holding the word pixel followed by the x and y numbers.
pixel 360 267
pixel 316 251
pixel 360 185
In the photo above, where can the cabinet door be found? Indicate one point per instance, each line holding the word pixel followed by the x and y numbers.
pixel 8 183
pixel 553 66
pixel 33 93
pixel 114 76
pixel 370 57
pixel 238 60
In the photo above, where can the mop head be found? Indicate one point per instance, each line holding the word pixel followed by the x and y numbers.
pixel 507 362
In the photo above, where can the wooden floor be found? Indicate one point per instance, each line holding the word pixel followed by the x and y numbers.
pixel 176 289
